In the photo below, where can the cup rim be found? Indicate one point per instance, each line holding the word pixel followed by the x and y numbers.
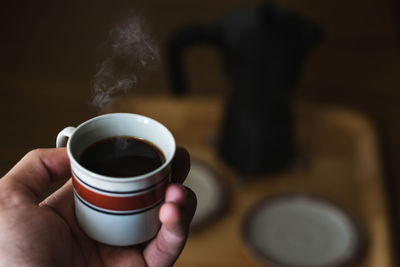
pixel 116 178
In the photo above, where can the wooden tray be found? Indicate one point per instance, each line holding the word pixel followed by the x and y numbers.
pixel 344 167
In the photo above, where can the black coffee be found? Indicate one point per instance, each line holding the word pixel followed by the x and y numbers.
pixel 122 156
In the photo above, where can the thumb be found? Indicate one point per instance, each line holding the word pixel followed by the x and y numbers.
pixel 34 173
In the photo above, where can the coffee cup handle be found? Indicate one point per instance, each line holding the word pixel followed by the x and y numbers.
pixel 64 135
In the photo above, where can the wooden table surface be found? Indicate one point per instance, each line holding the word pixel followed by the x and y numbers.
pixel 344 167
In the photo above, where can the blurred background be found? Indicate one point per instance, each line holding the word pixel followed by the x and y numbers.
pixel 51 50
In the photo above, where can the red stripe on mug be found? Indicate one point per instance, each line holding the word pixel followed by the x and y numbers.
pixel 123 203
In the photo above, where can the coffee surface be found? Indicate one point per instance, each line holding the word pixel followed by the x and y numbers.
pixel 122 156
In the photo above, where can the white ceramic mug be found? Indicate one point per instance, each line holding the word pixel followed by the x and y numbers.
pixel 111 210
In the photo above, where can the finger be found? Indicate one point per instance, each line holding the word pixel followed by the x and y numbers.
pixel 184 197
pixel 180 165
pixel 175 216
pixel 34 173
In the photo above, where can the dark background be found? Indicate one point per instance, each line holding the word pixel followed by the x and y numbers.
pixel 50 50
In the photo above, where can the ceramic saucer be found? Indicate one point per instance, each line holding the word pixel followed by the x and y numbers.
pixel 301 230
pixel 210 191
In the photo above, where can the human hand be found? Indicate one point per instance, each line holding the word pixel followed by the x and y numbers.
pixel 47 234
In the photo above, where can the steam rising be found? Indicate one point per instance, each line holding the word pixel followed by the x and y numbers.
pixel 132 50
